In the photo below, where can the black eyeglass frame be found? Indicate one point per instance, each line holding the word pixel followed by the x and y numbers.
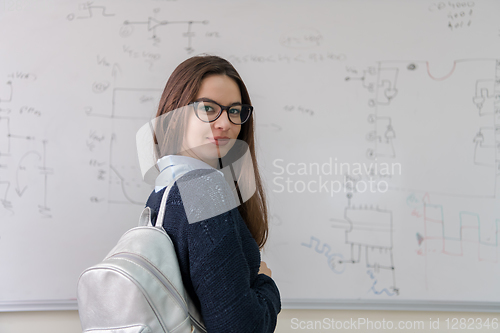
pixel 222 108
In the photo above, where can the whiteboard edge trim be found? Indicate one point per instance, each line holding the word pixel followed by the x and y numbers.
pixel 295 304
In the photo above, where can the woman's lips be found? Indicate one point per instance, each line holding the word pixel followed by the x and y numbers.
pixel 219 141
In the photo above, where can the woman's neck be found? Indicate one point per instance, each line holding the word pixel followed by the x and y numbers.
pixel 189 153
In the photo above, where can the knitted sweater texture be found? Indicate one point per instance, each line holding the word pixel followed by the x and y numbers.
pixel 218 258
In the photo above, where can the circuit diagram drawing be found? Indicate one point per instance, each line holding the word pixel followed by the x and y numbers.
pixel 451 232
pixel 128 103
pixel 410 109
pixel 131 108
pixel 436 238
pixel 88 10
pixel 467 234
pixel 24 168
pixel 368 244
pixel 485 147
pixel 383 83
pixel 369 236
pixel 485 91
pixel 446 129
pixel 151 24
pixel 383 136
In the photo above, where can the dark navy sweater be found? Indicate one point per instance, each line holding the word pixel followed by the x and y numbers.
pixel 218 258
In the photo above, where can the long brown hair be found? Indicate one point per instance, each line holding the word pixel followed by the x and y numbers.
pixel 180 90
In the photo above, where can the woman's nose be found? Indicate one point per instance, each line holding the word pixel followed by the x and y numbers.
pixel 223 121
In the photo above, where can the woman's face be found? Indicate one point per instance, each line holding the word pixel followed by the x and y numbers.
pixel 209 141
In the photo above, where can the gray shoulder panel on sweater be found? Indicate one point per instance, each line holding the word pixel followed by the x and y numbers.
pixel 205 194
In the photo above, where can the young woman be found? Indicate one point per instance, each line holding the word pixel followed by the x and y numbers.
pixel 216 211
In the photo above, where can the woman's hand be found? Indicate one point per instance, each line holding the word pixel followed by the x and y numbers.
pixel 264 269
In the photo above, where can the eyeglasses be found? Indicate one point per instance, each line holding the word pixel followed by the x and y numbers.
pixel 209 111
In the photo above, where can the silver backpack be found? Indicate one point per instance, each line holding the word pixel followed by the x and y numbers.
pixel 138 287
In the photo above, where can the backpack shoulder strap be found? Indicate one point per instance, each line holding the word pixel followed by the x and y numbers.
pixel 163 204
pixel 145 218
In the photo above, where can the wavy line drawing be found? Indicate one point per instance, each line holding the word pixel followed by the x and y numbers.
pixel 332 258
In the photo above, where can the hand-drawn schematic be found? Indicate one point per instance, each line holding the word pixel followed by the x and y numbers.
pixel 368 234
pixel 454 227
pixel 130 110
pixel 152 23
pixel 23 161
pixel 445 130
pixel 89 10
pixel 410 127
pixel 467 236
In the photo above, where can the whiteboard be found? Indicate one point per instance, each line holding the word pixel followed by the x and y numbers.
pixel 377 137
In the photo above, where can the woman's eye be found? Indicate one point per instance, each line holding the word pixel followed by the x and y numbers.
pixel 205 108
pixel 235 111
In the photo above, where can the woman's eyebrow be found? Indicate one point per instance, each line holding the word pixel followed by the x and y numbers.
pixel 206 99
pixel 203 99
